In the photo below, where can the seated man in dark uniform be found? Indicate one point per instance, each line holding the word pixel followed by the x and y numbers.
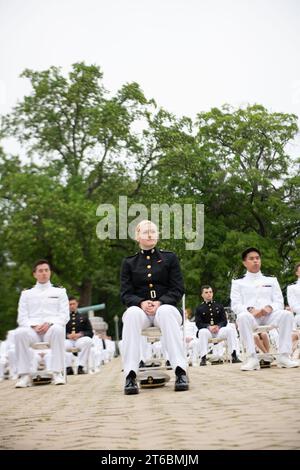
pixel 151 287
pixel 211 322
pixel 79 333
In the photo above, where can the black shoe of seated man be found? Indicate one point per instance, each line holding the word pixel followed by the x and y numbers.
pixel 168 365
pixel 131 386
pixel 203 361
pixel 80 370
pixel 181 381
pixel 69 371
pixel 142 364
pixel 235 360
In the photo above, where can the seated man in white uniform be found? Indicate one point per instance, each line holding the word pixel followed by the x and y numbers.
pixel 293 296
pixel 257 300
pixel 8 356
pixel 42 315
pixel 190 331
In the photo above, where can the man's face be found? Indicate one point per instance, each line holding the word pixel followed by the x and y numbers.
pixel 207 295
pixel 73 304
pixel 42 273
pixel 252 262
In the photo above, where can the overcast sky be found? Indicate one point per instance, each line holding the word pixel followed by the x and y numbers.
pixel 189 55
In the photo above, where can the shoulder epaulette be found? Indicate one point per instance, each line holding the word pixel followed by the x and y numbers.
pixel 132 256
pixel 165 251
pixel 56 285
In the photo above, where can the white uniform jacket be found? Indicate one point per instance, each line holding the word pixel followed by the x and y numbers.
pixel 255 290
pixel 43 303
pixel 293 297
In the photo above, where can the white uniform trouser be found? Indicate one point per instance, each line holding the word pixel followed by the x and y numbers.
pixel 192 349
pixel 25 336
pixel 3 363
pixel 226 332
pixel 168 319
pixel 95 358
pixel 84 345
pixel 282 319
pixel 146 350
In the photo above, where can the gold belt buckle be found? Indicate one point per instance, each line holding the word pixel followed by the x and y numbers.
pixel 153 294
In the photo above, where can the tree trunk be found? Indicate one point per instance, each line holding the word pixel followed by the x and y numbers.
pixel 85 293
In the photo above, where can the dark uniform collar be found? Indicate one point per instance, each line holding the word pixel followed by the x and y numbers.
pixel 148 252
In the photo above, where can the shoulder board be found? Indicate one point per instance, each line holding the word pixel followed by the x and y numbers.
pixel 165 251
pixel 26 288
pixel 132 256
pixel 56 285
pixel 269 275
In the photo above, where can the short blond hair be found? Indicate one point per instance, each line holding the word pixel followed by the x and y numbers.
pixel 139 225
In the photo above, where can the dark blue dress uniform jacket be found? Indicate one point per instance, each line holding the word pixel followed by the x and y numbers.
pixel 210 313
pixel 151 275
pixel 79 323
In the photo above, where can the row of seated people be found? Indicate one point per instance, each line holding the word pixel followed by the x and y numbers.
pixel 44 312
pixel 88 354
pixel 199 337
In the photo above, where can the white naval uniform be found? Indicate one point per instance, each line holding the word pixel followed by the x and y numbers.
pixel 168 319
pixel 256 290
pixel 42 303
pixel 293 297
pixel 190 331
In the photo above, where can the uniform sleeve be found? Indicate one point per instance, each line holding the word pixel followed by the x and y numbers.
pixel 293 301
pixel 87 328
pixel 277 301
pixel 236 299
pixel 176 287
pixel 223 320
pixel 23 317
pixel 198 319
pixel 128 297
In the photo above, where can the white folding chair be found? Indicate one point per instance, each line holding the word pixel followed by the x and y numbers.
pixel 215 341
pixel 42 346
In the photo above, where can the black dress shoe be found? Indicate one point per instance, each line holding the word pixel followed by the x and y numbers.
pixel 168 365
pixel 131 386
pixel 69 371
pixel 181 383
pixel 235 360
pixel 203 361
pixel 141 364
pixel 80 370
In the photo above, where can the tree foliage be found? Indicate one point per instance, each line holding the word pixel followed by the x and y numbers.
pixel 87 147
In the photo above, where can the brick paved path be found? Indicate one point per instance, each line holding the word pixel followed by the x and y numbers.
pixel 224 409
